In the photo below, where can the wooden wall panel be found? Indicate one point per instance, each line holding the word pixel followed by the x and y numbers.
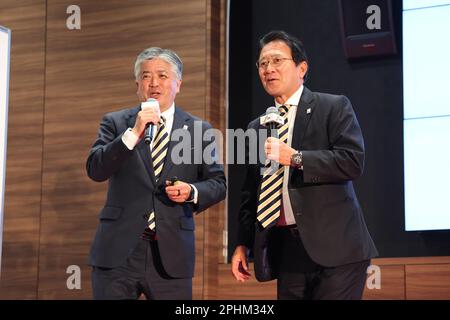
pixel 401 278
pixel 90 72
pixel 215 113
pixel 392 284
pixel 19 272
pixel 430 281
pixel 231 289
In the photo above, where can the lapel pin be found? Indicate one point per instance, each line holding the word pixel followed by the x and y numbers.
pixel 308 111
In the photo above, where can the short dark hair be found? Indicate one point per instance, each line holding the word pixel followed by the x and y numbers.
pixel 297 48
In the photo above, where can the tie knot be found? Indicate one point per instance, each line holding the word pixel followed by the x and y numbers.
pixel 283 109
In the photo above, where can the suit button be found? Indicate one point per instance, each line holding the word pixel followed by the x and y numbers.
pixel 298 214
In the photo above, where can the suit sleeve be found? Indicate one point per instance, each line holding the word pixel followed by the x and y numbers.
pixel 249 194
pixel 344 158
pixel 108 151
pixel 211 185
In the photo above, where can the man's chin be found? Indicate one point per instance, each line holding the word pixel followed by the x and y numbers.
pixel 272 92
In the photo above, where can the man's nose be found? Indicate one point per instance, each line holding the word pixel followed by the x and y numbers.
pixel 153 82
pixel 269 69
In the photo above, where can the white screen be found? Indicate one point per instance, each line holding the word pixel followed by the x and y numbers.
pixel 4 90
pixel 426 88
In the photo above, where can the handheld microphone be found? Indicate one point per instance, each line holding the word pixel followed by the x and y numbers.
pixel 272 119
pixel 150 129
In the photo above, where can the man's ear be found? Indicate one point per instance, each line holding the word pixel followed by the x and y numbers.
pixel 178 85
pixel 302 69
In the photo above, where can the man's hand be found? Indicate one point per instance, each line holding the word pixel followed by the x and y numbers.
pixel 278 151
pixel 178 192
pixel 239 264
pixel 151 115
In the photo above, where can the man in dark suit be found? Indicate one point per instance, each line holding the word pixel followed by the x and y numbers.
pixel 145 238
pixel 302 218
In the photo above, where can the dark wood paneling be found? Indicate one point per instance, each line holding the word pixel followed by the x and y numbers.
pixel 411 261
pixel 430 281
pixel 392 284
pixel 90 72
pixel 215 114
pixel 85 74
pixel 401 278
pixel 231 289
pixel 19 272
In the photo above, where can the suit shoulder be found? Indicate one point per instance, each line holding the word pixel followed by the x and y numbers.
pixel 254 124
pixel 190 117
pixel 332 99
pixel 123 113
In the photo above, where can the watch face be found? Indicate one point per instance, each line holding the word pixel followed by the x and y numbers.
pixel 297 159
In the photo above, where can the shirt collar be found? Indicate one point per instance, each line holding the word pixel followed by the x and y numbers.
pixel 168 114
pixel 292 100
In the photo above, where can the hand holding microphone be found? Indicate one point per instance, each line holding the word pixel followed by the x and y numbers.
pixel 274 148
pixel 147 119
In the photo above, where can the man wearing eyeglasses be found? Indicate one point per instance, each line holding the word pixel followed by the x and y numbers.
pixel 303 221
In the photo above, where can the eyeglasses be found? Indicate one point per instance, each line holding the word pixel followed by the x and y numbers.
pixel 275 61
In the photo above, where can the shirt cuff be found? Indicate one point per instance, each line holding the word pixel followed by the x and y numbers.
pixel 130 139
pixel 195 200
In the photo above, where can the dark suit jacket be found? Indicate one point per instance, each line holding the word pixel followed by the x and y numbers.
pixel 133 193
pixel 324 203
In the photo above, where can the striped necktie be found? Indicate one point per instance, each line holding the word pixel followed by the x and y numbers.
pixel 159 152
pixel 269 204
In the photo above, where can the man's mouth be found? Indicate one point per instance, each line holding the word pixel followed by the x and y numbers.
pixel 154 95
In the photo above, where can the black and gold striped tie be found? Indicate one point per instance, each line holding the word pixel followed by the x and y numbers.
pixel 159 152
pixel 269 204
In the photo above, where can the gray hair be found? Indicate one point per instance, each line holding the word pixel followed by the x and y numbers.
pixel 164 54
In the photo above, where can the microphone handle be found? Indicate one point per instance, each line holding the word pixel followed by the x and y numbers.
pixel 272 125
pixel 272 128
pixel 149 133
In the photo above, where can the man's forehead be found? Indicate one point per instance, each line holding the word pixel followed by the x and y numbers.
pixel 274 48
pixel 155 65
pixel 149 70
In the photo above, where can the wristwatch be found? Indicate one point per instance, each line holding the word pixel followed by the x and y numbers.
pixel 297 160
pixel 191 195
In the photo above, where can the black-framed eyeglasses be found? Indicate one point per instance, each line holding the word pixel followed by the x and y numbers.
pixel 275 61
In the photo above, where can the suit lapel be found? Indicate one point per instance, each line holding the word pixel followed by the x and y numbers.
pixel 143 150
pixel 305 110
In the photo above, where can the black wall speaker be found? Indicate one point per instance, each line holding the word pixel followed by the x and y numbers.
pixel 367 28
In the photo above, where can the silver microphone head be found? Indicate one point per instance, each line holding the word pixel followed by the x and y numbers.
pixel 272 118
pixel 272 109
pixel 150 103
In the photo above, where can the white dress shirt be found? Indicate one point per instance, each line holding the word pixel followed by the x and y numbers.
pixel 131 140
pixel 292 101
